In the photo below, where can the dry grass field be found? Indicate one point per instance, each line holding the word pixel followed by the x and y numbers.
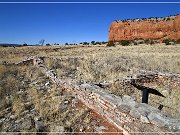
pixel 101 63
pixel 25 87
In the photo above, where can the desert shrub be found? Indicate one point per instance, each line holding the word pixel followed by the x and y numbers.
pixel 18 106
pixel 168 19
pixel 125 42
pixel 24 44
pixel 97 43
pixel 2 70
pixel 147 41
pixel 141 42
pixel 166 41
pixel 110 43
pixel 85 43
pixel 177 41
pixel 93 42
pixel 103 42
pixel 152 42
pixel 9 84
pixel 48 44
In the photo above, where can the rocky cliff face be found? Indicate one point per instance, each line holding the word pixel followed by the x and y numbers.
pixel 153 28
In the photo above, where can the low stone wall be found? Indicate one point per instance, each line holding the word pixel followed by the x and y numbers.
pixel 123 112
pixel 149 76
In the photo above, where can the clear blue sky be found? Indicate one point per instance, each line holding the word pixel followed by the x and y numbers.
pixel 61 23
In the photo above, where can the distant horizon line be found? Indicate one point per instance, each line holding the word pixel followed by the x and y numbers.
pixel 88 2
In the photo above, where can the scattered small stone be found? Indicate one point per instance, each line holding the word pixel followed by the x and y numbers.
pixel 134 113
pixel 2 120
pixel 144 119
pixel 68 123
pixel 39 126
pixel 100 129
pixel 47 84
pixel 7 120
pixel 26 124
pixel 18 121
pixel 37 118
pixel 59 129
pixel 124 108
pixel 66 102
pixel 13 117
pixel 19 92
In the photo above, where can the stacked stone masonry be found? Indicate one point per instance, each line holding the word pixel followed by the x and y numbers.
pixel 123 112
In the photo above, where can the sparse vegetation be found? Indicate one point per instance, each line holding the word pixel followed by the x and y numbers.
pixel 166 41
pixel 24 88
pixel 177 41
pixel 48 44
pixel 147 41
pixel 110 44
pixel 125 42
pixel 92 42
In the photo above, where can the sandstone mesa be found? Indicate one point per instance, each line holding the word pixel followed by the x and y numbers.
pixel 147 28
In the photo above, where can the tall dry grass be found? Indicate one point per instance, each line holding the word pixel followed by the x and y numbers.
pixel 101 63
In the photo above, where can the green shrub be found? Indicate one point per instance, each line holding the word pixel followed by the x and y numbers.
pixel 125 42
pixel 97 43
pixel 48 44
pixel 110 43
pixel 177 41
pixel 85 43
pixel 103 42
pixel 141 42
pixel 93 42
pixel 152 42
pixel 168 19
pixel 166 41
pixel 147 41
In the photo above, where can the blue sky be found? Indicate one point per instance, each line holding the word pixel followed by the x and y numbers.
pixel 61 23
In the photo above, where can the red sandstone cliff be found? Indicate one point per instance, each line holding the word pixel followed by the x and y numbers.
pixel 146 29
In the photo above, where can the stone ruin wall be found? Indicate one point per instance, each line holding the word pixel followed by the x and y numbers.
pixel 123 112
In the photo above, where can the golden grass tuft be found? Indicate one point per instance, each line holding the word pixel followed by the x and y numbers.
pixel 18 106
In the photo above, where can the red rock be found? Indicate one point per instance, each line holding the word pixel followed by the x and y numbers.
pixel 146 29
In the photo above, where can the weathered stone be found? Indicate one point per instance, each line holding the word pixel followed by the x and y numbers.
pixel 128 100
pixel 66 102
pixel 18 121
pixel 158 122
pixel 16 127
pixel 124 108
pixel 134 113
pixel 145 109
pixel 144 119
pixel 26 124
pixel 13 117
pixel 158 119
pixel 112 99
pixel 59 129
pixel 2 120
pixel 99 129
pixel 39 125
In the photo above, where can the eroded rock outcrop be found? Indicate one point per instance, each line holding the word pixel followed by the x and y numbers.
pixel 152 28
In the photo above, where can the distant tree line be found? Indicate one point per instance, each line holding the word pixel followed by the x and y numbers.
pixel 88 43
pixel 94 43
pixel 143 41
